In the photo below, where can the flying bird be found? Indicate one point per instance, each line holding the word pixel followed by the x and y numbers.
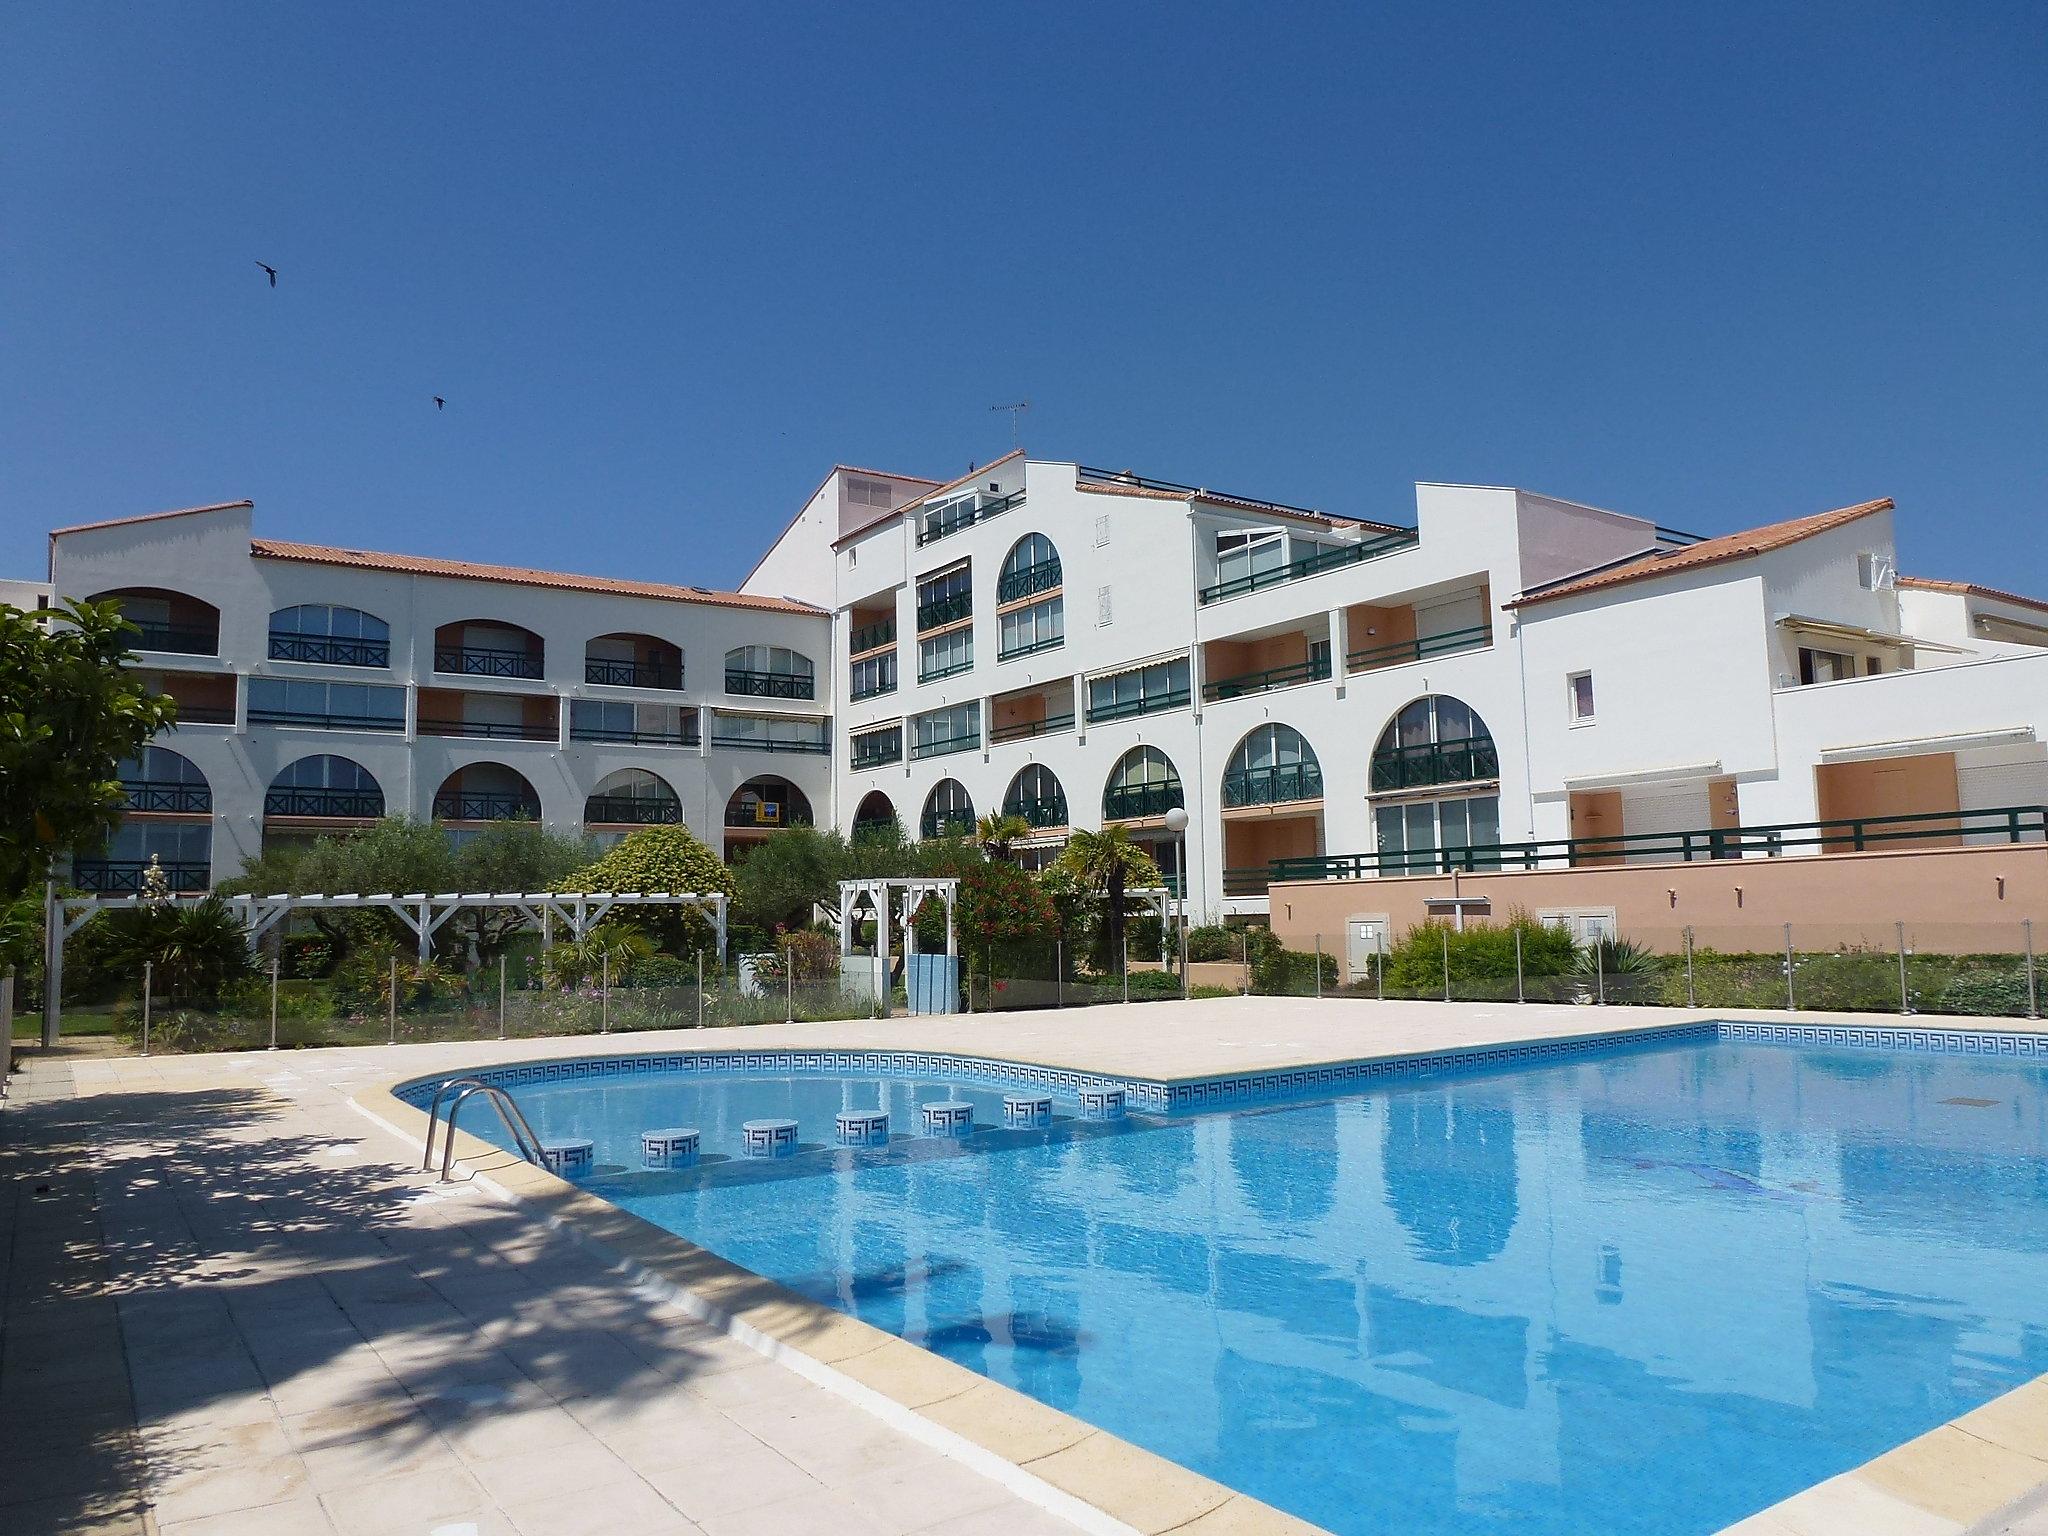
pixel 266 266
pixel 439 402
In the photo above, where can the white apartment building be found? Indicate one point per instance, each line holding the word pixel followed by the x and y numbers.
pixel 319 688
pixel 1079 647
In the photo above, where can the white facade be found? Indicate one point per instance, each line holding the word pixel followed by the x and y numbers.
pixel 1084 646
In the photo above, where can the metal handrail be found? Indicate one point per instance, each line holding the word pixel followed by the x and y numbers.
pixel 1315 670
pixel 524 1140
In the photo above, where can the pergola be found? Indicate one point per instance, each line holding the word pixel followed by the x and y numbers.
pixel 421 912
pixel 878 896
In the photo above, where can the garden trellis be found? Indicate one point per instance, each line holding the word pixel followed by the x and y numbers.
pixel 421 912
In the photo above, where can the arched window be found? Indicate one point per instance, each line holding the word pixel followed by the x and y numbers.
pixel 324 786
pixel 489 648
pixel 1035 795
pixel 1272 766
pixel 768 802
pixel 948 811
pixel 169 621
pixel 1434 740
pixel 486 792
pixel 1032 566
pixel 334 637
pixel 769 672
pixel 875 812
pixel 632 797
pixel 1143 783
pixel 632 661
pixel 165 783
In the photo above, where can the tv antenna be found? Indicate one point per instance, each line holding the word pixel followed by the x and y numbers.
pixel 1016 410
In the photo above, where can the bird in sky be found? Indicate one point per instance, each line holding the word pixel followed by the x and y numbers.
pixel 266 266
pixel 439 402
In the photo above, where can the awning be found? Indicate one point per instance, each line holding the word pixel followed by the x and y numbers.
pixel 1800 624
pixel 1920 746
pixel 1706 770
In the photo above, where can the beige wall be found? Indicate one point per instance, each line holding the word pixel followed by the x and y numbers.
pixel 1258 841
pixel 1890 786
pixel 1953 900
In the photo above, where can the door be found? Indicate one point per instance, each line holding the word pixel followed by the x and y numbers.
pixel 1595 817
pixel 1365 944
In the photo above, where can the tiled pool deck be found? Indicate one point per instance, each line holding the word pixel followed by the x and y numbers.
pixel 233 1305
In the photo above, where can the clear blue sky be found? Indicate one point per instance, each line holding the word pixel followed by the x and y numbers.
pixel 1718 263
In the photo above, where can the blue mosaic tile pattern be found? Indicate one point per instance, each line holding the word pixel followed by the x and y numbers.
pixel 1204 1093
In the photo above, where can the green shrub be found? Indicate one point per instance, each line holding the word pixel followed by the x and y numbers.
pixel 1984 990
pixel 1484 952
pixel 1291 972
pixel 1212 992
pixel 1212 942
pixel 1154 984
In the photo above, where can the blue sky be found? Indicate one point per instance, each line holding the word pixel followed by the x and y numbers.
pixel 1713 263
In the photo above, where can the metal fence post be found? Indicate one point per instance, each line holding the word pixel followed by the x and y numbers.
pixel 391 1000
pixel 1184 951
pixel 2033 993
pixel 1447 964
pixel 1379 949
pixel 1791 995
pixel 700 988
pixel 1691 996
pixel 1244 962
pixel 789 986
pixel 604 992
pixel 273 1002
pixel 1600 968
pixel 1519 997
pixel 1059 973
pixel 1905 996
pixel 148 980
pixel 501 997
pixel 1127 970
pixel 1319 965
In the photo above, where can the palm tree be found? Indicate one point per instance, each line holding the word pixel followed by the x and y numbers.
pixel 997 832
pixel 1109 862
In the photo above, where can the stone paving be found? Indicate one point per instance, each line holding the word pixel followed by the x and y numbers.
pixel 230 1307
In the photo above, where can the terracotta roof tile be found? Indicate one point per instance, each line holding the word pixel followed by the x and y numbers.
pixel 150 517
pixel 421 565
pixel 1971 589
pixel 1729 546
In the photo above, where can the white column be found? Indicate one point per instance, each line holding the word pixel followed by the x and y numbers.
pixel 1340 643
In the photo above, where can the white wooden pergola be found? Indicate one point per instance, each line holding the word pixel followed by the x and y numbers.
pixel 422 913
pixel 878 898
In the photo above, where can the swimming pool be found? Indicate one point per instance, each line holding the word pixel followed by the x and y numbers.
pixel 1652 1289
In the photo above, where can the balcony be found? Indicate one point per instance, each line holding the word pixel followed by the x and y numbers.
pixel 1031 580
pixel 767 814
pixel 485 805
pixel 877 752
pixel 1390 543
pixel 204 714
pixel 181 639
pixel 944 745
pixel 1151 704
pixel 1461 761
pixel 872 637
pixel 951 669
pixel 1278 784
pixel 351 804
pixel 488 730
pixel 820 748
pixel 1449 643
pixel 873 690
pixel 946 824
pixel 1050 643
pixel 118 876
pixel 964 512
pixel 631 811
pixel 770 685
pixel 1039 813
pixel 944 610
pixel 486 661
pixel 329 650
pixel 1314 670
pixel 631 674
pixel 686 736
pixel 1250 881
pixel 1125 801
pixel 1024 730
pixel 166 797
pixel 324 719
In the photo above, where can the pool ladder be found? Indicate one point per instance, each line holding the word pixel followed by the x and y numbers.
pixel 509 1113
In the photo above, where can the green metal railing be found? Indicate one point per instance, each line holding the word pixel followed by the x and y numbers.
pixel 1277 784
pixel 1040 813
pixel 951 669
pixel 329 650
pixel 819 747
pixel 1025 729
pixel 1120 801
pixel 323 800
pixel 1041 576
pixel 964 513
pixel 118 875
pixel 487 661
pixel 770 685
pixel 1314 670
pixel 1150 704
pixel 876 752
pixel 1312 565
pixel 2012 823
pixel 327 720
pixel 944 610
pixel 166 796
pixel 631 811
pixel 1051 642
pixel 954 823
pixel 1251 880
pixel 622 736
pixel 182 639
pixel 1460 761
pixel 632 674
pixel 485 805
pixel 491 730
pixel 941 746
pixel 871 636
pixel 1449 642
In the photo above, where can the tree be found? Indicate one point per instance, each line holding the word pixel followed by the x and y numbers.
pixel 665 858
pixel 398 854
pixel 1110 863
pixel 196 950
pixel 69 714
pixel 779 881
pixel 997 832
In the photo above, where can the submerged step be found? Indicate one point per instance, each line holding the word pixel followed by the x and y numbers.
pixel 1027 1111
pixel 569 1158
pixel 768 1138
pixel 948 1117
pixel 861 1127
pixel 671 1147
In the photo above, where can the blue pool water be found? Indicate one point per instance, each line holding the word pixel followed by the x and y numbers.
pixel 1645 1291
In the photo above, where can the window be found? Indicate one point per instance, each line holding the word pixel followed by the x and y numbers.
pixel 769 672
pixel 871 749
pixel 1143 783
pixel 1033 565
pixel 324 786
pixel 947 810
pixel 340 637
pixel 1824 666
pixel 945 597
pixel 1410 834
pixel 1435 739
pixel 770 733
pixel 1036 796
pixel 1271 765
pixel 1141 691
pixel 646 724
pixel 876 675
pixel 945 655
pixel 946 730
pixel 1874 572
pixel 339 706
pixel 1245 553
pixel 1037 628
pixel 1579 688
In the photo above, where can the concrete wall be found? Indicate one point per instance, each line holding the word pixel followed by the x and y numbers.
pixel 1955 900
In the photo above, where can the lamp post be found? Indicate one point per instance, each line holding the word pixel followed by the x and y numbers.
pixel 1177 823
